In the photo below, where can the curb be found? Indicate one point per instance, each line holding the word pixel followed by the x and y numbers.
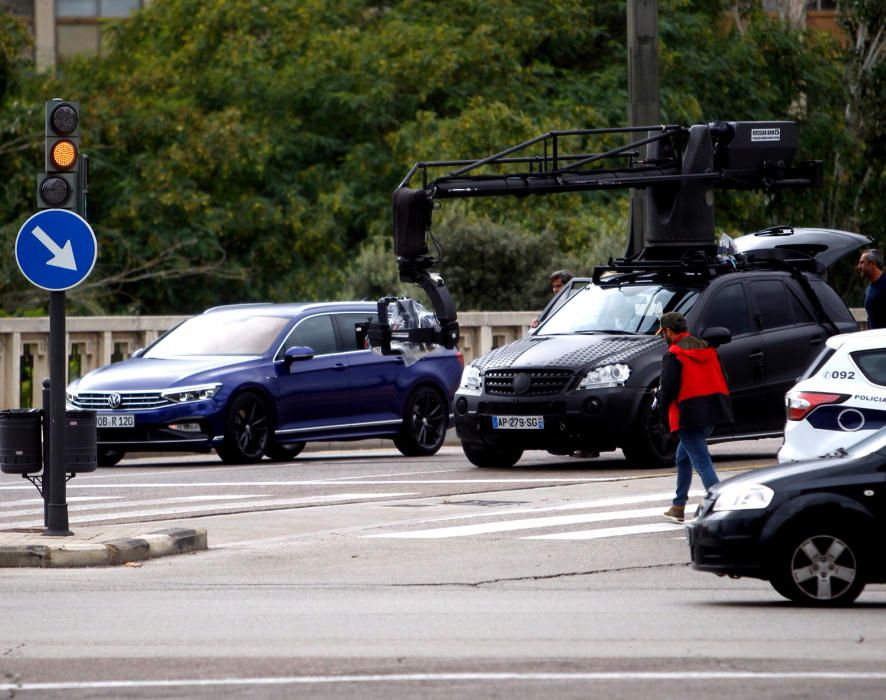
pixel 156 544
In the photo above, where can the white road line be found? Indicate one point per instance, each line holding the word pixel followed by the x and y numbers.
pixel 119 502
pixel 214 506
pixel 350 481
pixel 676 676
pixel 578 505
pixel 609 532
pixel 521 524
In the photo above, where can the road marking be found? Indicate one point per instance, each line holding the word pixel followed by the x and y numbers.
pixel 611 532
pixel 349 481
pixel 119 502
pixel 522 524
pixel 676 676
pixel 272 503
pixel 595 503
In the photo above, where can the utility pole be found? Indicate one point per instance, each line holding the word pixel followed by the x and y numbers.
pixel 643 96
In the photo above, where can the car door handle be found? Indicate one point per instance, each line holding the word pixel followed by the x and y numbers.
pixel 340 366
pixel 815 340
pixel 759 355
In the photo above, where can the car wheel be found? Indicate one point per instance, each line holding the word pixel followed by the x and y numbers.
pixel 108 458
pixel 492 457
pixel 824 569
pixel 247 430
pixel 649 444
pixel 424 423
pixel 283 453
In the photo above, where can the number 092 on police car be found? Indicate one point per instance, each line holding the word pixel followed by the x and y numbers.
pixel 518 422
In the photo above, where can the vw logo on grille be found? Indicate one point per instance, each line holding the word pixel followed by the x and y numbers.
pixel 114 400
pixel 521 383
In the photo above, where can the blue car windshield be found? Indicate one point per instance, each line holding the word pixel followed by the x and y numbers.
pixel 626 308
pixel 219 333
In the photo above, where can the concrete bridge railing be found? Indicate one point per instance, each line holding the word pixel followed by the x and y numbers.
pixel 95 341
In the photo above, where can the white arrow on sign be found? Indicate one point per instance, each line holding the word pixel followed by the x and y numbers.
pixel 62 257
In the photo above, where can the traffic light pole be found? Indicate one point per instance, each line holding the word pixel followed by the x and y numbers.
pixel 57 512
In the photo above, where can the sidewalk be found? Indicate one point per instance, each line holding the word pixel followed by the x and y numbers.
pixel 96 546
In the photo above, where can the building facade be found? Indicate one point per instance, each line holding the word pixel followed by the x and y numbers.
pixel 63 28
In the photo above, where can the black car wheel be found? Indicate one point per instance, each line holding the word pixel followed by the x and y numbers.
pixel 108 458
pixel 247 430
pixel 424 423
pixel 649 444
pixel 822 570
pixel 492 457
pixel 283 453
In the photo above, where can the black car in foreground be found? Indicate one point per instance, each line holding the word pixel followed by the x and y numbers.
pixel 815 530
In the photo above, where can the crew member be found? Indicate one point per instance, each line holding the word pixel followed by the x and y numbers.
pixel 694 395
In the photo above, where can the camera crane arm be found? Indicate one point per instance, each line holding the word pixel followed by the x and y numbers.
pixel 681 168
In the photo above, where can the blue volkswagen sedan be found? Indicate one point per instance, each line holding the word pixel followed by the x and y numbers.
pixel 256 380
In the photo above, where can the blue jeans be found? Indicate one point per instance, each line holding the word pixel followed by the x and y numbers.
pixel 693 452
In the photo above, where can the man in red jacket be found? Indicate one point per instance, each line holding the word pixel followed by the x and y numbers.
pixel 694 394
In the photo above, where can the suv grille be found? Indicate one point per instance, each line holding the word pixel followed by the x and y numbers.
pixel 129 400
pixel 542 382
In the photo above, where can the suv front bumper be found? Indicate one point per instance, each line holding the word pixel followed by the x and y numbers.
pixel 598 419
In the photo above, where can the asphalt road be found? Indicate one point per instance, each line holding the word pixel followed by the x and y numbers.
pixel 359 573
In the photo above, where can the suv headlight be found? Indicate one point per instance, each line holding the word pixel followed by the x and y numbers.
pixel 191 393
pixel 607 375
pixel 471 381
pixel 744 497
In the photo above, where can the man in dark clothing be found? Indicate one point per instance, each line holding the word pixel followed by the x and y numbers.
pixel 870 267
pixel 695 398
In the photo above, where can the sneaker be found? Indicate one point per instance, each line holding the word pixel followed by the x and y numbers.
pixel 674 513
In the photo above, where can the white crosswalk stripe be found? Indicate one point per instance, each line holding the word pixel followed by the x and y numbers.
pixel 506 523
pixel 137 510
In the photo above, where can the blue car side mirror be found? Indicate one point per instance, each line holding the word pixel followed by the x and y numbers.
pixel 297 353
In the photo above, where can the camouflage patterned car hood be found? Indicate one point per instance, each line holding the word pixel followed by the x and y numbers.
pixel 573 351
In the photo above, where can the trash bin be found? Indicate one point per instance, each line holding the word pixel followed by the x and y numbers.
pixel 81 453
pixel 21 450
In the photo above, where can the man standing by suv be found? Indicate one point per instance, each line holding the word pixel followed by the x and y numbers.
pixel 870 267
pixel 695 398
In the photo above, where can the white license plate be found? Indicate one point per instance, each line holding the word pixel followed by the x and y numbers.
pixel 117 420
pixel 518 422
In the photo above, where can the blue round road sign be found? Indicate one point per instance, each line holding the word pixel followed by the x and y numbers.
pixel 55 249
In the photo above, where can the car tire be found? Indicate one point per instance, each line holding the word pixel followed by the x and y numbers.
pixel 819 565
pixel 492 457
pixel 649 445
pixel 425 419
pixel 108 458
pixel 283 453
pixel 247 430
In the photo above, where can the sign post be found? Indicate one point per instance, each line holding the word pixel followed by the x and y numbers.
pixel 56 250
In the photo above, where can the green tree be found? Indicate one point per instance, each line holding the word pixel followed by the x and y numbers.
pixel 246 150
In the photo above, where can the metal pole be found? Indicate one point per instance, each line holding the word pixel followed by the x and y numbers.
pixel 46 482
pixel 58 507
pixel 643 96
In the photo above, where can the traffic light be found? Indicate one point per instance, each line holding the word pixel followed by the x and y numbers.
pixel 60 186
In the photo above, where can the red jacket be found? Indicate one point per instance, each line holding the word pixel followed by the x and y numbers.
pixel 693 387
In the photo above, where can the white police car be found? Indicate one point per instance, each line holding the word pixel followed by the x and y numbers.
pixel 841 398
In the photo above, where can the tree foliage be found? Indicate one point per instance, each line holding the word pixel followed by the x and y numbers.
pixel 246 150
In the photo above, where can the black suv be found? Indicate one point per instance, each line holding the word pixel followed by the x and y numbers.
pixel 586 378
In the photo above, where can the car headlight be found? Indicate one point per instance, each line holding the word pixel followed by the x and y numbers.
pixel 744 497
pixel 607 375
pixel 471 381
pixel 191 393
